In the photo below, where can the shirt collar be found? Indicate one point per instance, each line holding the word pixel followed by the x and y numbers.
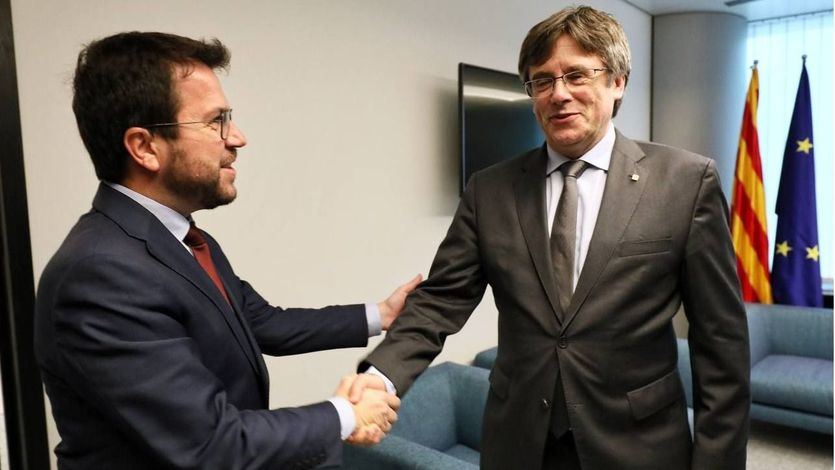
pixel 598 156
pixel 175 222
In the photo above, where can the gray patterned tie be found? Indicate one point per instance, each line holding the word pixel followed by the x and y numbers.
pixel 563 239
pixel 564 232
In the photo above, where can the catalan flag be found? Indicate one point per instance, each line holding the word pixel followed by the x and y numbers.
pixel 797 276
pixel 748 226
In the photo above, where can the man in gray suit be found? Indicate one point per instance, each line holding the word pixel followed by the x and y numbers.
pixel 591 244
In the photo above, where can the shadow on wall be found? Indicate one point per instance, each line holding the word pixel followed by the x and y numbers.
pixel 447 150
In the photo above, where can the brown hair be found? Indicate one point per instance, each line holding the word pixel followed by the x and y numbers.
pixel 126 80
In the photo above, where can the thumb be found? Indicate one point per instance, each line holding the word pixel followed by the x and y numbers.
pixel 345 385
pixel 410 286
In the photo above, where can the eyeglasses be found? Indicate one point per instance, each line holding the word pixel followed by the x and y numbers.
pixel 540 87
pixel 221 123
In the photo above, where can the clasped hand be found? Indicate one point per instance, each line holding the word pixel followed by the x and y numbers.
pixel 374 408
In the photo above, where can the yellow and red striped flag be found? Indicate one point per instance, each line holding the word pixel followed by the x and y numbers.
pixel 748 225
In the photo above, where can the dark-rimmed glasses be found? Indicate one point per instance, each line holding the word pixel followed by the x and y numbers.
pixel 223 122
pixel 540 87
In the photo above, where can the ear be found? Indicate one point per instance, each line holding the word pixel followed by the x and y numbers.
pixel 142 147
pixel 620 86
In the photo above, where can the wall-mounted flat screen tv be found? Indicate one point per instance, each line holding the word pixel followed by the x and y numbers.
pixel 495 118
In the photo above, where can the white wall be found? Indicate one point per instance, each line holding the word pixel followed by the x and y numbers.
pixel 350 178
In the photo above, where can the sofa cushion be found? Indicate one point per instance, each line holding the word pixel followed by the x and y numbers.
pixel 464 453
pixel 485 359
pixel 800 383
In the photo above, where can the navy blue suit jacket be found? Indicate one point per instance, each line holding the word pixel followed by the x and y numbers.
pixel 147 366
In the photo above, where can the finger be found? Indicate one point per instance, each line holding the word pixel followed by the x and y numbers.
pixel 378 436
pixel 345 385
pixel 365 382
pixel 410 286
pixel 393 402
pixel 370 435
pixel 357 387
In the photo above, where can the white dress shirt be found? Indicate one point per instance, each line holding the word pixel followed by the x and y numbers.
pixel 590 185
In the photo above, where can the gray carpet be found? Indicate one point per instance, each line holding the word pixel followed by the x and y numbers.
pixel 772 447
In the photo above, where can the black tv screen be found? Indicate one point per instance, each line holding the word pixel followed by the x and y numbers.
pixel 495 118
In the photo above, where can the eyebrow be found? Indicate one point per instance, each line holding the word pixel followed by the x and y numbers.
pixel 569 69
pixel 215 113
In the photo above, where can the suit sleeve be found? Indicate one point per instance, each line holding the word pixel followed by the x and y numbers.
pixel 129 352
pixel 282 332
pixel 440 306
pixel 718 334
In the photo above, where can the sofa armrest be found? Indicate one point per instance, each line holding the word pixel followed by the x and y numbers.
pixel 396 453
pixel 485 359
pixel 758 332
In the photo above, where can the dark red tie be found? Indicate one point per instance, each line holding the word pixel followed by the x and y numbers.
pixel 198 245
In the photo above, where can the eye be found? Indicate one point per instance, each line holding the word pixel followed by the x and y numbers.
pixel 543 84
pixel 577 77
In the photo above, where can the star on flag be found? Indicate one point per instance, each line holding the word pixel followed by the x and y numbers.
pixel 804 146
pixel 783 248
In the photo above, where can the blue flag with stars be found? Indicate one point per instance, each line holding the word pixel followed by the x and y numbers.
pixel 795 272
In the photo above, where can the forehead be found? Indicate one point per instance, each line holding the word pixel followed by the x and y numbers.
pixel 198 89
pixel 566 52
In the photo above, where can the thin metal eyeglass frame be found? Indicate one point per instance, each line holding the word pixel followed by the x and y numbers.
pixel 529 88
pixel 225 121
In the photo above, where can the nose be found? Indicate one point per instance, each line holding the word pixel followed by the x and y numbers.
pixel 560 93
pixel 236 137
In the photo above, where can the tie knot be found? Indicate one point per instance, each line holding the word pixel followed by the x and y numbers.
pixel 194 237
pixel 573 168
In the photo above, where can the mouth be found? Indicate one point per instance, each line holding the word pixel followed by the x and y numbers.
pixel 562 118
pixel 228 166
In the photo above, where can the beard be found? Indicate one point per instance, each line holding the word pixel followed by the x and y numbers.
pixel 197 182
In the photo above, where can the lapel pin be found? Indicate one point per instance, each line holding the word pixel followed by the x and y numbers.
pixel 635 177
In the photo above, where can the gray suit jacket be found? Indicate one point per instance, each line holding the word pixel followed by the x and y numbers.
pixel 660 241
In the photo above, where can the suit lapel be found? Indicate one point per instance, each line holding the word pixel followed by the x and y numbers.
pixel 529 189
pixel 141 224
pixel 620 198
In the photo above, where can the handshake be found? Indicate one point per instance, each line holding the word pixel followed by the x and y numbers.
pixel 375 409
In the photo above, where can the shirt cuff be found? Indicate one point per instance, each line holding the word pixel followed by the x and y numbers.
pixel 372 315
pixel 389 386
pixel 347 420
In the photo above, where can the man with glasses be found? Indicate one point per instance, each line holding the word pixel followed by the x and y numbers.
pixel 149 343
pixel 590 244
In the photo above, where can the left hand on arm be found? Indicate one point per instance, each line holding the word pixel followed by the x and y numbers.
pixel 391 307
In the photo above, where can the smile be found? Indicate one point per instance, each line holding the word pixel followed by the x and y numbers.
pixel 562 118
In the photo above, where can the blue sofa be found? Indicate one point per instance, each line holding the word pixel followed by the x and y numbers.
pixel 438 427
pixel 791 366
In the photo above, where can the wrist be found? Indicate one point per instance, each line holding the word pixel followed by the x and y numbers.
pixel 385 314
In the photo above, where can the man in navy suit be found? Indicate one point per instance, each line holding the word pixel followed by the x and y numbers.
pixel 149 343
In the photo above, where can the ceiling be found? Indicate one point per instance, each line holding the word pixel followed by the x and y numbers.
pixel 750 9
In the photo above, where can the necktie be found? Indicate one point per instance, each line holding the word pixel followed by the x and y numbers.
pixel 564 232
pixel 200 248
pixel 563 240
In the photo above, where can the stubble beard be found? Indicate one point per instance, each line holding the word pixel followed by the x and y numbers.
pixel 202 188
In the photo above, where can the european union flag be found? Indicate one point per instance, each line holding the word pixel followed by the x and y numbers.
pixel 795 273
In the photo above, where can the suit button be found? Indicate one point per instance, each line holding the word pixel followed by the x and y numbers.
pixel 545 404
pixel 562 342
